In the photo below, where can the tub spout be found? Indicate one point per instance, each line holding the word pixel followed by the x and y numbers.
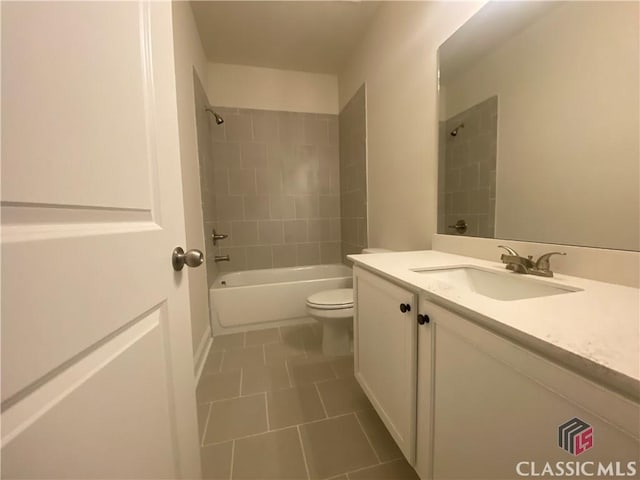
pixel 221 258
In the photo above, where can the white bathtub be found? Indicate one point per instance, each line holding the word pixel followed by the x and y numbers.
pixel 256 297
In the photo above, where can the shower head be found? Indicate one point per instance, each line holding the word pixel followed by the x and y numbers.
pixel 454 132
pixel 219 119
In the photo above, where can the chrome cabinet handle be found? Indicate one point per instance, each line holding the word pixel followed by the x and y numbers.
pixel 193 258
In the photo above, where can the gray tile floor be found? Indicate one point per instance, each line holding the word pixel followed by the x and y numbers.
pixel 271 406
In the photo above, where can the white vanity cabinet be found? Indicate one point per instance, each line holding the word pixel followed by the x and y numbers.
pixel 385 353
pixel 487 407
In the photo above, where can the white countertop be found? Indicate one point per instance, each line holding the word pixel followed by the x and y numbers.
pixel 595 331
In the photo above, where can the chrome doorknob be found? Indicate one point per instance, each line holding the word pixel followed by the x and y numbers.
pixel 193 258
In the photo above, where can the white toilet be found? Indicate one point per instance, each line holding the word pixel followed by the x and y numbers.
pixel 334 310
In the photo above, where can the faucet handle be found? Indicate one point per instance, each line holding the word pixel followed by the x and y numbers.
pixel 215 236
pixel 543 264
pixel 509 250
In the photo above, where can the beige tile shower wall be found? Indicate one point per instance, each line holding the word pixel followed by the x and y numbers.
pixel 275 182
pixel 353 175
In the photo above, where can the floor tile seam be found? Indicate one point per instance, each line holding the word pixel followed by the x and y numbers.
pixel 324 408
pixel 266 410
pixel 349 473
pixel 206 425
pixel 331 379
pixel 366 435
pixel 233 453
pixel 304 453
pixel 250 365
pixel 226 399
pixel 212 374
pixel 286 366
pixel 221 362
pixel 327 417
pixel 251 435
pixel 333 369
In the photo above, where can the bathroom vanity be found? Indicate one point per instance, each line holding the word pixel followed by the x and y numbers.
pixel 479 372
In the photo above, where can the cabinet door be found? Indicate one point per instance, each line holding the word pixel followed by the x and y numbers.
pixel 385 354
pixel 500 410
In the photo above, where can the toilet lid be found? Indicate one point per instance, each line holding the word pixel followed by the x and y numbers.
pixel 332 299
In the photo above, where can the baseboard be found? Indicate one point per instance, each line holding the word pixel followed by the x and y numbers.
pixel 202 353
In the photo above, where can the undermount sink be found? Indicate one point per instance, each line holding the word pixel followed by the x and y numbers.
pixel 496 285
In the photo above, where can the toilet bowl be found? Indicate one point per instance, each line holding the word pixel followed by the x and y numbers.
pixel 334 310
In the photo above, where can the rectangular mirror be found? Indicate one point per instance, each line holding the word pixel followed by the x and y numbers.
pixel 539 106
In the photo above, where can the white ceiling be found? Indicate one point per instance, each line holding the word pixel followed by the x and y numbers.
pixel 308 36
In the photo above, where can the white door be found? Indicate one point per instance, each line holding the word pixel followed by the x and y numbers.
pixel 97 377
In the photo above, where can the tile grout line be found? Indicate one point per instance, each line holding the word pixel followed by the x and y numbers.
pixel 221 361
pixel 241 380
pixel 226 399
pixel 304 454
pixel 348 474
pixel 266 411
pixel 286 367
pixel 233 452
pixel 324 409
pixel 249 436
pixel 278 429
pixel 367 437
pixel 206 425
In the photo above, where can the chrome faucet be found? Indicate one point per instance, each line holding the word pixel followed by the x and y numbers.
pixel 519 264
pixel 221 258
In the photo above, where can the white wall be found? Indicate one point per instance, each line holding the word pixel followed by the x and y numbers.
pixel 271 89
pixel 397 60
pixel 189 55
pixel 568 123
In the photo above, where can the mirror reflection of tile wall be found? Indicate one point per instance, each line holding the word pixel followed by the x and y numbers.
pixel 469 170
pixel 274 181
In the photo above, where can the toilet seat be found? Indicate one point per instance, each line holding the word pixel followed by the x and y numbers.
pixel 338 299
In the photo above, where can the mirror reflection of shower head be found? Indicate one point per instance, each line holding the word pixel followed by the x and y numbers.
pixel 454 132
pixel 219 119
